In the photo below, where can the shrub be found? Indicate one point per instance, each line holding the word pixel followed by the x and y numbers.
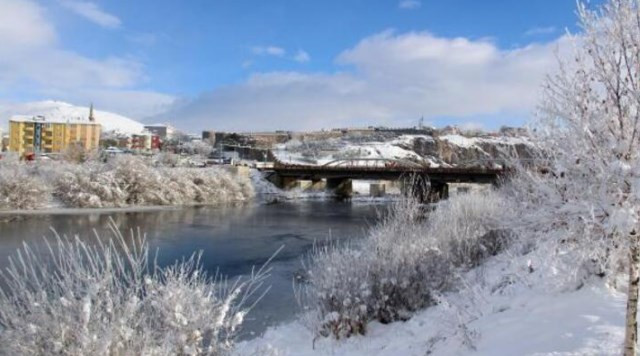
pixel 76 153
pixel 401 266
pixel 129 180
pixel 88 185
pixel 467 228
pixel 21 188
pixel 105 297
pixel 123 181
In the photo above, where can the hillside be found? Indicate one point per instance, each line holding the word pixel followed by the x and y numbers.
pixel 439 149
pixel 58 110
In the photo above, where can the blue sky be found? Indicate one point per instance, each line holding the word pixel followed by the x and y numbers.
pixel 240 64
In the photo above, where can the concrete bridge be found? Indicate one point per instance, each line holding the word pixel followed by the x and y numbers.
pixel 429 183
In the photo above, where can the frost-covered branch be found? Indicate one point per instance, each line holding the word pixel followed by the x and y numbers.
pixel 123 181
pixel 106 297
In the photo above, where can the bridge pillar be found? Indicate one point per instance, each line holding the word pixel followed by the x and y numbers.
pixel 288 182
pixel 318 184
pixel 284 183
pixel 342 187
pixel 377 190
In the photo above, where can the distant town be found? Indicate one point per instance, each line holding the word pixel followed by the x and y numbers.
pixel 35 137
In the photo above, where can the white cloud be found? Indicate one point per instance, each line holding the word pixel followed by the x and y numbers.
pixel 23 23
pixel 93 13
pixel 269 50
pixel 387 78
pixel 302 56
pixel 536 31
pixel 409 4
pixel 33 65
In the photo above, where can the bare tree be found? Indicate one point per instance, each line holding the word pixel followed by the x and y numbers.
pixel 588 128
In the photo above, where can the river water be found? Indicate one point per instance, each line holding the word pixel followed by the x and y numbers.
pixel 232 239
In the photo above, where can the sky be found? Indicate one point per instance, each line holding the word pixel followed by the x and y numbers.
pixel 285 64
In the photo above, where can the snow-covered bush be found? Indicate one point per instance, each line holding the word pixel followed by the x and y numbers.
pixel 209 185
pixel 122 181
pixel 129 180
pixel 468 227
pixel 20 187
pixel 201 148
pixel 167 159
pixel 402 265
pixel 76 153
pixel 88 185
pixel 107 297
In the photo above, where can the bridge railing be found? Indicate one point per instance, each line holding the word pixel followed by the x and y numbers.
pixel 381 164
pixel 373 162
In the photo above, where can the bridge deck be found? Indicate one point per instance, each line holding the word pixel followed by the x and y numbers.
pixel 441 174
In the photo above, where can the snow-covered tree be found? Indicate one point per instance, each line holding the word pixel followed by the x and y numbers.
pixel 201 148
pixel 589 129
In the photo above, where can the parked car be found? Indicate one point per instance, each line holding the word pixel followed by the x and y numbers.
pixel 113 150
pixel 213 161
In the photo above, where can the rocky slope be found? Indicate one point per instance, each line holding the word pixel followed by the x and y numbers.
pixel 439 148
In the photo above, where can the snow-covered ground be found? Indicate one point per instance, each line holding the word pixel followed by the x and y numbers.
pixel 585 322
pixel 58 110
pixel 475 142
pixel 505 311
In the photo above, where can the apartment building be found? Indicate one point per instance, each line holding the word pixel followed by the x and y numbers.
pixel 36 134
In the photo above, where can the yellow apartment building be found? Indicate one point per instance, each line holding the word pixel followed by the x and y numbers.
pixel 37 134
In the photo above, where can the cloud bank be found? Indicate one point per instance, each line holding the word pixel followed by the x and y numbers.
pixel 385 79
pixel 34 64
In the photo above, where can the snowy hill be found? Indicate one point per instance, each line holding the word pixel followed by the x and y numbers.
pixel 432 150
pixel 58 110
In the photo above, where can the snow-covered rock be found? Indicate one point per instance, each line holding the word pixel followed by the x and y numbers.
pixel 434 151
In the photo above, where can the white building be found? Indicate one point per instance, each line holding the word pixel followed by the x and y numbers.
pixel 164 131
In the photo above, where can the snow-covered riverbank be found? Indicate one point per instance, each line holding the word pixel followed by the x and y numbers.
pixel 494 316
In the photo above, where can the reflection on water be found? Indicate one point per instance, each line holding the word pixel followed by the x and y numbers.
pixel 232 239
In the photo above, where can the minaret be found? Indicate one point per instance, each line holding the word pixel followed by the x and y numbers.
pixel 91 118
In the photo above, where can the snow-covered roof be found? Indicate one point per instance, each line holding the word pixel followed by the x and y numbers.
pixel 55 120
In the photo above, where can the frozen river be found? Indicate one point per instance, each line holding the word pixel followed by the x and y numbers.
pixel 232 239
